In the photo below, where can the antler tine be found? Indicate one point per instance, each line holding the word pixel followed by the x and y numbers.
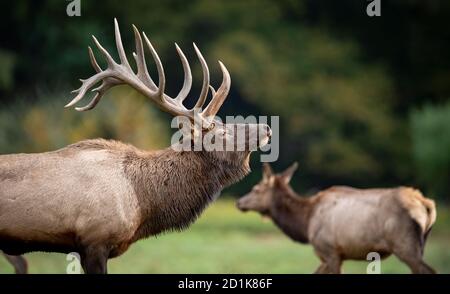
pixel 119 45
pixel 108 82
pixel 97 96
pixel 205 86
pixel 105 76
pixel 221 94
pixel 93 60
pixel 109 59
pixel 159 67
pixel 101 75
pixel 213 91
pixel 87 84
pixel 187 84
pixel 91 104
pixel 139 56
pixel 98 69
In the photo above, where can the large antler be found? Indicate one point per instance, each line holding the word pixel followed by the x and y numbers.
pixel 116 74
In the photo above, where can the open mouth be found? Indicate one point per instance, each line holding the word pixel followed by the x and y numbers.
pixel 264 135
pixel 264 141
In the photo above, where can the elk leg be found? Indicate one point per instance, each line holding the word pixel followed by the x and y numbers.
pixel 417 265
pixel 19 262
pixel 425 268
pixel 413 258
pixel 333 265
pixel 322 269
pixel 331 261
pixel 94 261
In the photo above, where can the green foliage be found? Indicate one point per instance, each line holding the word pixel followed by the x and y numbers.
pixel 430 129
pixel 7 62
pixel 336 110
pixel 46 125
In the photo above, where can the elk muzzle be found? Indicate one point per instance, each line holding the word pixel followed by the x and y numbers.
pixel 244 203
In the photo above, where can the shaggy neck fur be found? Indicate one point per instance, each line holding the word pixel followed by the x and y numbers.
pixel 173 188
pixel 291 213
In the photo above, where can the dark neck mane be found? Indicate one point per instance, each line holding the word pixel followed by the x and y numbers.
pixel 173 188
pixel 291 213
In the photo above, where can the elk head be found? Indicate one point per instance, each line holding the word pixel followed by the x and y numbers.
pixel 262 195
pixel 202 119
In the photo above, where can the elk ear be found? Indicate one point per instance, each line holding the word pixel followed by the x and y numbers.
pixel 287 174
pixel 267 171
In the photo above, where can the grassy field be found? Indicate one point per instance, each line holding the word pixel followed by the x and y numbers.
pixel 225 240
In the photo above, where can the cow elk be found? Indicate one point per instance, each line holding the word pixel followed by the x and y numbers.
pixel 345 223
pixel 97 197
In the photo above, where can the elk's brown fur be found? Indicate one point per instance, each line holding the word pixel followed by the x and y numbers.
pixel 347 223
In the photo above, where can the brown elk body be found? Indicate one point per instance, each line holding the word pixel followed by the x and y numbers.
pixel 97 197
pixel 344 223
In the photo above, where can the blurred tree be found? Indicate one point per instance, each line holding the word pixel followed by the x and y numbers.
pixel 336 110
pixel 431 148
pixel 7 62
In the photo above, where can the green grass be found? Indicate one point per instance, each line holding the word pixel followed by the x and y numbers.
pixel 225 240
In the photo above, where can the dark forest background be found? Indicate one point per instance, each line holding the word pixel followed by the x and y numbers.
pixel 363 101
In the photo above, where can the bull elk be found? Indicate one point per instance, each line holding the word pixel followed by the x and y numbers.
pixel 345 223
pixel 97 197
